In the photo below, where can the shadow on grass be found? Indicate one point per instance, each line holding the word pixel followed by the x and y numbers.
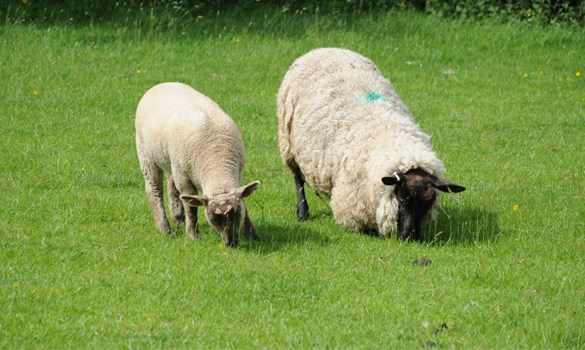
pixel 276 237
pixel 463 226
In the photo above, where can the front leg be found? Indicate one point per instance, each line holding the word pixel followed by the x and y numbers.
pixel 191 222
pixel 249 230
pixel 185 187
pixel 302 205
pixel 176 205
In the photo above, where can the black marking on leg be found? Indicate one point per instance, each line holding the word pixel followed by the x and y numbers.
pixel 302 205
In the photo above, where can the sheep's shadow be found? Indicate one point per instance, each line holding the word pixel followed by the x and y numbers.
pixel 463 225
pixel 277 237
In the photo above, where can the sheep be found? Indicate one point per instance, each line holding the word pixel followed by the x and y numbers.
pixel 187 135
pixel 343 130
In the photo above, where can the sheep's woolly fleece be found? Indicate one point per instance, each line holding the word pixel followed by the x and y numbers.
pixel 187 135
pixel 196 140
pixel 345 126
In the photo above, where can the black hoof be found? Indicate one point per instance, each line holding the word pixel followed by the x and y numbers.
pixel 302 214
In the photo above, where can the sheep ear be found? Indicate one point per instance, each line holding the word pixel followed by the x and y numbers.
pixel 446 186
pixel 393 179
pixel 247 190
pixel 195 201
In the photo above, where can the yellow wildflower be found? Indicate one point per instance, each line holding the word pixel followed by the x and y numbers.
pixel 525 75
pixel 515 207
pixel 35 92
pixel 577 74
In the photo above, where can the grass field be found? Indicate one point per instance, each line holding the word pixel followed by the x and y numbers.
pixel 81 265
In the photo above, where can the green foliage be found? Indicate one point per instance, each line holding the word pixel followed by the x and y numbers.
pixel 542 12
pixel 81 265
pixel 173 12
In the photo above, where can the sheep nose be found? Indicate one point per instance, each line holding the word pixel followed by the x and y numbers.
pixel 230 238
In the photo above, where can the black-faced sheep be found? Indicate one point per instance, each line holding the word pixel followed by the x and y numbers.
pixel 186 134
pixel 344 130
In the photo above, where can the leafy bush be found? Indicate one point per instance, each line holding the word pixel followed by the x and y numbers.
pixel 83 11
pixel 540 11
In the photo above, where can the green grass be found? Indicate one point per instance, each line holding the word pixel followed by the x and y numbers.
pixel 81 265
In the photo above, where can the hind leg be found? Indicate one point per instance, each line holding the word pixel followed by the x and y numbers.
pixel 302 205
pixel 176 205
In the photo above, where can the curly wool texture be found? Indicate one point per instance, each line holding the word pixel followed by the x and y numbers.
pixel 187 134
pixel 344 125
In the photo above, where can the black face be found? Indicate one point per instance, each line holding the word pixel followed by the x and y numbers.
pixel 228 225
pixel 415 197
pixel 416 193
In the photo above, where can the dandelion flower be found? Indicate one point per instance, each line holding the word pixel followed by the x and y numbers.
pixel 35 92
pixel 525 75
pixel 577 74
pixel 515 207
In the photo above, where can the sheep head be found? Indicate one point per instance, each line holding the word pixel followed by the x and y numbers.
pixel 416 191
pixel 225 211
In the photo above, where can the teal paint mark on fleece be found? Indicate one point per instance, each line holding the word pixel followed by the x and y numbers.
pixel 372 96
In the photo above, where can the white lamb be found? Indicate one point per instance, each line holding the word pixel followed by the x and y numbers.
pixel 344 130
pixel 186 134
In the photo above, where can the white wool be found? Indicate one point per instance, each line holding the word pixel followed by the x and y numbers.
pixel 345 126
pixel 187 134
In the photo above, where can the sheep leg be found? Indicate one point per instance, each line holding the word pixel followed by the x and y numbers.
pixel 302 205
pixel 153 177
pixel 185 186
pixel 190 213
pixel 191 222
pixel 176 205
pixel 249 230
